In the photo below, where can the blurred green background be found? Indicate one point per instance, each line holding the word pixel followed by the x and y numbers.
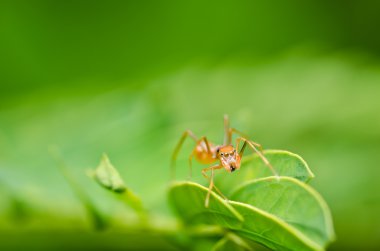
pixel 128 77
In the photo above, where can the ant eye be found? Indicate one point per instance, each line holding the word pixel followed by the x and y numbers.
pixel 221 154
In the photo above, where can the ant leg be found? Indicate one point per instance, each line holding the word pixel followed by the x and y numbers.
pixel 253 145
pixel 243 135
pixel 227 135
pixel 178 148
pixel 191 165
pixel 205 175
pixel 211 180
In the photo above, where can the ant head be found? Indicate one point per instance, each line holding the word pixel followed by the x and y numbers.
pixel 229 158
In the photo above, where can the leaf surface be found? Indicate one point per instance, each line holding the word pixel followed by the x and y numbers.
pixel 280 213
pixel 293 202
pixel 188 201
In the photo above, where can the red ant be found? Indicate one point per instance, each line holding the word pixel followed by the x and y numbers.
pixel 207 153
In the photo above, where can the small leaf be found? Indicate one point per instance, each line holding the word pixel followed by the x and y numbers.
pixel 188 200
pixel 284 162
pixel 107 176
pixel 293 202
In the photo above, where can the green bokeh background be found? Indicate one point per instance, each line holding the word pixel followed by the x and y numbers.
pixel 128 77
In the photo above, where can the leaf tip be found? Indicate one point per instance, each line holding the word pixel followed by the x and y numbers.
pixel 107 175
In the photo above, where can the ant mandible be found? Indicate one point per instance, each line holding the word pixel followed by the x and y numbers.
pixel 206 152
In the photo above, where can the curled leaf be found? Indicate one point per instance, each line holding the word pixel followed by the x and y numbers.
pixel 107 176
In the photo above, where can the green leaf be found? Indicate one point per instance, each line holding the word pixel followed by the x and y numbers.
pixel 108 177
pixel 284 162
pixel 188 201
pixel 298 207
pixel 287 215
